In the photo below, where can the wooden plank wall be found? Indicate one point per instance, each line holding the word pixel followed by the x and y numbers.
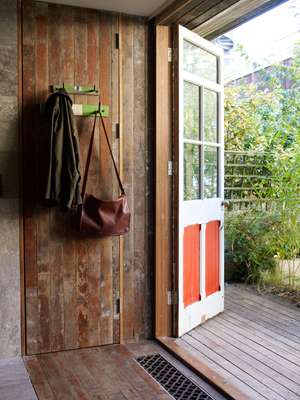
pixel 137 125
pixel 72 283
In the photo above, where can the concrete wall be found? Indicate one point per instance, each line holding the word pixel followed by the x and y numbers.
pixel 9 184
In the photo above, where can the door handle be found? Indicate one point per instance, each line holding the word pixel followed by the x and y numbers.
pixel 225 203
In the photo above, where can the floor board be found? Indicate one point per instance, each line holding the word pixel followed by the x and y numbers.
pixel 102 373
pixel 254 343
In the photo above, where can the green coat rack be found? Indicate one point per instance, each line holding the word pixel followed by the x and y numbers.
pixel 84 110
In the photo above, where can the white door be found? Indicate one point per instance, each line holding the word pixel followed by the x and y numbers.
pixel 200 191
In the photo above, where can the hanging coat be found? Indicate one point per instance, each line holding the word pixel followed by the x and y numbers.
pixel 63 179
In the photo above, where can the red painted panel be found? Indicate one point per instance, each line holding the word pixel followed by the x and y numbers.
pixel 191 264
pixel 212 257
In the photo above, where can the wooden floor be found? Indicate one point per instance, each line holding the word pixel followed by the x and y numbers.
pixel 254 344
pixel 102 373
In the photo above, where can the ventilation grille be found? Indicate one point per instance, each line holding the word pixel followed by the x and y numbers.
pixel 172 380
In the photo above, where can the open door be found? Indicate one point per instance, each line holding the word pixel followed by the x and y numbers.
pixel 199 155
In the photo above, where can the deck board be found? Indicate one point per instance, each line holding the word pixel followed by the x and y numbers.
pixel 258 314
pixel 254 343
pixel 281 305
pixel 265 330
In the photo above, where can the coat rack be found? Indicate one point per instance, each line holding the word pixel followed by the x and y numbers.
pixel 84 110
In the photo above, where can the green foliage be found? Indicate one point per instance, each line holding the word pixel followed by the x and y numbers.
pixel 265 118
pixel 249 244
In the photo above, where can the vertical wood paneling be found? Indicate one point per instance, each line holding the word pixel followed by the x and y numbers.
pixel 72 282
pixel 136 316
pixel 71 328
pixel 116 191
pixel 29 193
pixel 83 124
pixel 105 34
pixel 139 178
pixel 56 223
pixel 94 250
pixel 127 123
pixel 41 25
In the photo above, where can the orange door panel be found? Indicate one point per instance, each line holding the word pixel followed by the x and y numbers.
pixel 191 264
pixel 212 257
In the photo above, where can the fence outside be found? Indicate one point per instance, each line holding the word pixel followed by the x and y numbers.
pixel 246 174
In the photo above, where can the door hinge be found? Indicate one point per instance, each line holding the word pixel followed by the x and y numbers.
pixel 170 168
pixel 117 38
pixel 172 297
pixel 170 54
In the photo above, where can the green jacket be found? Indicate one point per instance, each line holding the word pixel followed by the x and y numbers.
pixel 63 178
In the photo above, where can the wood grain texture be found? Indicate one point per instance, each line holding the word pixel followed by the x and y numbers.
pixel 21 182
pixel 203 12
pixel 254 345
pixel 106 373
pixel 29 193
pixel 115 117
pixel 72 282
pixel 200 365
pixel 105 74
pixel 211 18
pixel 136 323
pixel 163 238
pixel 127 131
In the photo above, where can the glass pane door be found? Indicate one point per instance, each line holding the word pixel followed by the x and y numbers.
pixel 200 181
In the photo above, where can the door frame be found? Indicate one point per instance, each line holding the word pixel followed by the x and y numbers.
pixel 165 230
pixel 165 195
pixel 165 138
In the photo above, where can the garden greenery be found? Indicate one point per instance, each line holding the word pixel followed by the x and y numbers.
pixel 265 118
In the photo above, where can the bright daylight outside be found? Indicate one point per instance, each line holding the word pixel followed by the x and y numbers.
pixel 262 151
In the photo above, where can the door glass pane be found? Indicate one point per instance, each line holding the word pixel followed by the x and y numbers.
pixel 210 172
pixel 199 62
pixel 191 111
pixel 210 110
pixel 191 171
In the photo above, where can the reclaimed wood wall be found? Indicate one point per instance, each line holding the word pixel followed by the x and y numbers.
pixel 72 283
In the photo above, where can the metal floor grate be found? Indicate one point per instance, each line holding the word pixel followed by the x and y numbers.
pixel 172 380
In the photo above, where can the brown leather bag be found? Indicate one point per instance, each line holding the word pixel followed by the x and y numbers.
pixel 102 217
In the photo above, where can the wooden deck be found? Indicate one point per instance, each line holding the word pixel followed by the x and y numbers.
pixel 254 345
pixel 101 373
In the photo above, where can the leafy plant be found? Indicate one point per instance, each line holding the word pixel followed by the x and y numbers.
pixel 265 118
pixel 249 244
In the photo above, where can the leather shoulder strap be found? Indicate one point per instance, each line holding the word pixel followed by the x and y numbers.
pixel 89 156
pixel 112 156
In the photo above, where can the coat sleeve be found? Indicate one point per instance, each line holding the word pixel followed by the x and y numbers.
pixel 52 119
pixel 63 179
pixel 70 175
